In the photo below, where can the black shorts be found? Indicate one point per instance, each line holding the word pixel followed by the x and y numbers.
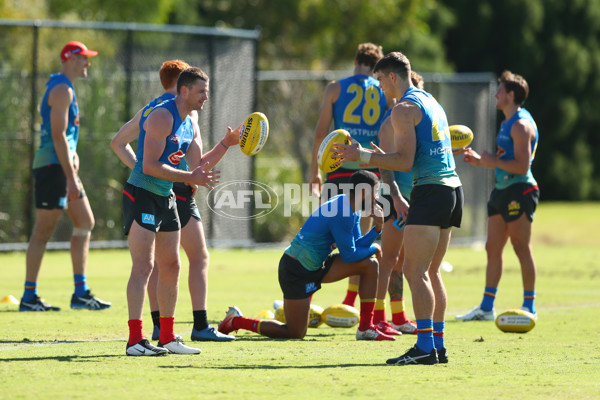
pixel 338 177
pixel 296 281
pixel 513 201
pixel 51 187
pixel 186 204
pixel 149 210
pixel 435 205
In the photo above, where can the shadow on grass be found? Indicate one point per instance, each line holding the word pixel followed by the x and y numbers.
pixel 254 366
pixel 70 358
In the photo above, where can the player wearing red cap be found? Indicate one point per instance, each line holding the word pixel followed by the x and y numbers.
pixel 57 184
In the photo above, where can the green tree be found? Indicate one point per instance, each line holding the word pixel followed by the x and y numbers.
pixel 554 44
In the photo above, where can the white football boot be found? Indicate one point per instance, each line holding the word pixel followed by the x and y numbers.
pixel 406 328
pixel 178 347
pixel 477 314
pixel 145 348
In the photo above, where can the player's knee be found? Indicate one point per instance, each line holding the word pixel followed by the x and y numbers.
pixel 297 332
pixel 521 247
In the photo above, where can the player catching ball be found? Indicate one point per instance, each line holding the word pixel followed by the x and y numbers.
pixel 308 262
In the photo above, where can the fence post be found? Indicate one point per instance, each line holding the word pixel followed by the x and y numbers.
pixel 28 210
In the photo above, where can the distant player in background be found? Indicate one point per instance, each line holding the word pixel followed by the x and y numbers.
pixel 150 218
pixel 308 262
pixel 192 232
pixel 513 201
pixel 422 146
pixel 57 184
pixel 356 104
pixel 390 268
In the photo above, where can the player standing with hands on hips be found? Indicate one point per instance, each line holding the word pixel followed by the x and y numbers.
pixel 57 184
pixel 513 201
pixel 422 145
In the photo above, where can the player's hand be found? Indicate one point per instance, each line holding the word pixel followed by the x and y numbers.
pixel 232 137
pixel 471 156
pixel 487 160
pixel 401 206
pixel 460 151
pixel 347 152
pixel 378 253
pixel 377 149
pixel 204 178
pixel 73 189
pixel 315 184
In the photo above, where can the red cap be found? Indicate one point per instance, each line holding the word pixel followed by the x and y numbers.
pixel 75 47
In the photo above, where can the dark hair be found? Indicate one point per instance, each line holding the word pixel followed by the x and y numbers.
pixel 189 76
pixel 395 62
pixel 516 84
pixel 368 54
pixel 363 177
pixel 169 72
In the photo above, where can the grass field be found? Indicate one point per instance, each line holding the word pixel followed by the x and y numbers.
pixel 81 354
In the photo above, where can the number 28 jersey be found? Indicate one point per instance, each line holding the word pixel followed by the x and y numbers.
pixel 360 109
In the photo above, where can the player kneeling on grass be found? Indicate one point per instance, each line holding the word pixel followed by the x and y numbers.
pixel 308 262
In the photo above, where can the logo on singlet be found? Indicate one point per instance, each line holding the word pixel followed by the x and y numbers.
pixel 500 152
pixel 175 158
pixel 174 138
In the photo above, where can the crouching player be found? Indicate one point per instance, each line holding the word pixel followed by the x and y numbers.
pixel 308 262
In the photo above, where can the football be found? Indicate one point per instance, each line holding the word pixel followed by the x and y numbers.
pixel 340 316
pixel 515 320
pixel 324 160
pixel 314 316
pixel 265 314
pixel 280 315
pixel 254 133
pixel 461 136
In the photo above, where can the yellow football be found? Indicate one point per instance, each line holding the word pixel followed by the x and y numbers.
pixel 265 314
pixel 280 314
pixel 460 135
pixel 340 316
pixel 314 316
pixel 254 133
pixel 515 320
pixel 326 163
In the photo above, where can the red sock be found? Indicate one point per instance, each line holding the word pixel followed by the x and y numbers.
pixel 398 314
pixel 351 294
pixel 167 334
pixel 135 331
pixel 249 324
pixel 367 306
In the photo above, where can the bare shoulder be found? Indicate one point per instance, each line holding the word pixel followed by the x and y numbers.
pixel 60 95
pixel 332 91
pixel 159 120
pixel 406 110
pixel 522 127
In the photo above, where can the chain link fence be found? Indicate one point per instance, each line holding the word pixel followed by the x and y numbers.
pixel 121 80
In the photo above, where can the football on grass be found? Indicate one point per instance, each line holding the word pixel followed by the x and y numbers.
pixel 516 321
pixel 340 316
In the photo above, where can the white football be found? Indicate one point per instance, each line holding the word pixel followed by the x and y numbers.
pixel 254 133
pixel 340 316
pixel 515 320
